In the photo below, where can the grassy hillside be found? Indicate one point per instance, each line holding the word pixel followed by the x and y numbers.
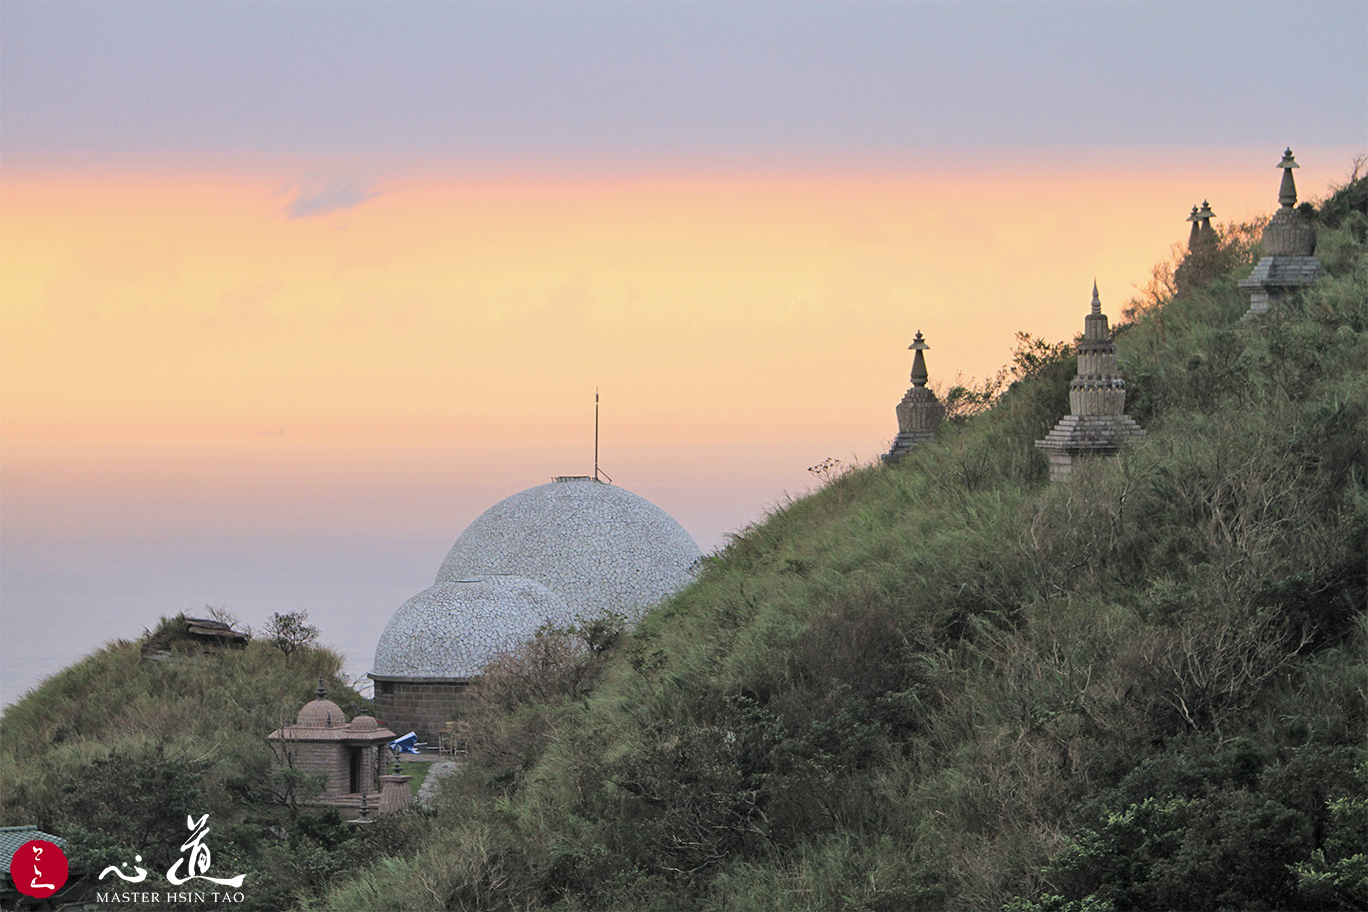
pixel 951 684
pixel 113 752
pixel 943 684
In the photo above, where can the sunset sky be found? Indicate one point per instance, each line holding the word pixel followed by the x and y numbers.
pixel 291 292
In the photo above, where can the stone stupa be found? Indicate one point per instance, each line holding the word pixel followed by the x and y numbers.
pixel 1289 241
pixel 1206 235
pixel 1097 424
pixel 1203 245
pixel 1202 235
pixel 919 412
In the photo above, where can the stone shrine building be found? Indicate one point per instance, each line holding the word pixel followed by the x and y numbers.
pixel 559 553
pixel 1096 424
pixel 1289 241
pixel 919 412
pixel 348 755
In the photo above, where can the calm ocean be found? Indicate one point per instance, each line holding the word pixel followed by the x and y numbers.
pixel 63 599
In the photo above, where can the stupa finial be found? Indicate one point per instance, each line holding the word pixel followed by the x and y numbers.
pixel 1096 301
pixel 1204 217
pixel 919 375
pixel 1195 235
pixel 321 692
pixel 1287 192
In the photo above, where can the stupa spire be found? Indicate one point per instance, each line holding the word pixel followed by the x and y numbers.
pixel 1287 191
pixel 1204 217
pixel 919 375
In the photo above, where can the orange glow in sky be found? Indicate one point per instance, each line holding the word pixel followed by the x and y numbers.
pixel 181 319
pixel 448 302
pixel 276 324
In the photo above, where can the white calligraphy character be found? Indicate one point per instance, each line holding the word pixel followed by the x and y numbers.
pixel 198 861
pixel 142 872
pixel 35 885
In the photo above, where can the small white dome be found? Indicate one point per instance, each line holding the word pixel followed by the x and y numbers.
pixel 454 628
pixel 601 547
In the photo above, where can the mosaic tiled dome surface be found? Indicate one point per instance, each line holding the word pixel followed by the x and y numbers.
pixel 601 547
pixel 452 629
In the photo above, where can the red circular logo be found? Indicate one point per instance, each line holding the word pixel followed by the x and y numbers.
pixel 39 868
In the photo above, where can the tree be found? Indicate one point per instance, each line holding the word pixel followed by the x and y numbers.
pixel 133 799
pixel 289 632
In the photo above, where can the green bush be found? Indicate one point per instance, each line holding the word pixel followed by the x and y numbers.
pixel 1212 826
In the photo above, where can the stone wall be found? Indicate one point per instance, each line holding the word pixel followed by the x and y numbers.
pixel 332 760
pixel 322 757
pixel 423 707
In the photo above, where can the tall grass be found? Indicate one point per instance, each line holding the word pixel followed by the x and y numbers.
pixel 930 685
pixel 214 706
pixel 908 689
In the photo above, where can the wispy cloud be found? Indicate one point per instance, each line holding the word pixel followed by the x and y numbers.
pixel 318 195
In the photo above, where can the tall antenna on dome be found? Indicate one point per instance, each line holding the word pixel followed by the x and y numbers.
pixel 597 470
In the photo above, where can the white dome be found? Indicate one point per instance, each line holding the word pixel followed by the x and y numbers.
pixel 599 546
pixel 452 629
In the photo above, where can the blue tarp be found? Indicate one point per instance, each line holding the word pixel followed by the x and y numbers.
pixel 408 744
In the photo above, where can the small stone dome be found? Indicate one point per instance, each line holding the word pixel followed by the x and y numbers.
pixel 321 713
pixel 454 628
pixel 601 547
pixel 364 724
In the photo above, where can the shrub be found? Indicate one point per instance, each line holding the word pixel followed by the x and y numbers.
pixel 1208 829
pixel 511 712
pixel 289 633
